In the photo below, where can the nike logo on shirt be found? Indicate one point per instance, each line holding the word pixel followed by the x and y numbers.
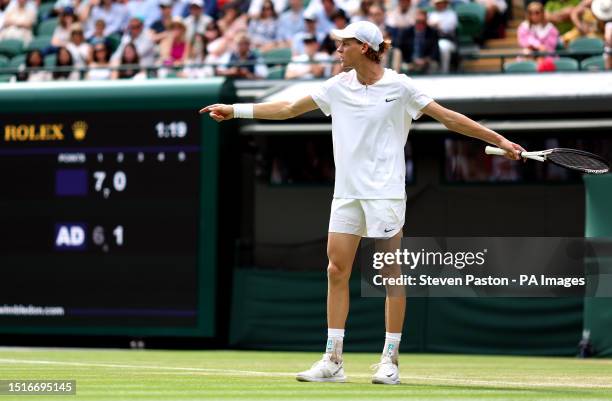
pixel 390 99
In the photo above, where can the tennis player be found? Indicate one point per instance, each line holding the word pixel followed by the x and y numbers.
pixel 372 109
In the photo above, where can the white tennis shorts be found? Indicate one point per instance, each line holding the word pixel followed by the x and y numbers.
pixel 372 218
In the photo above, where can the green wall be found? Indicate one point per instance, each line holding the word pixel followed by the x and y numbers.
pixel 282 310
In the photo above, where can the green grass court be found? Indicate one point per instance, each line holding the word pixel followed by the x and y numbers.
pixel 198 375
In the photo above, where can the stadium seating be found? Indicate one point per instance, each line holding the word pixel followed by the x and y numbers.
pixel 277 56
pixel 586 45
pixel 39 43
pixel 47 27
pixel 595 63
pixel 11 47
pixel 520 66
pixel 17 61
pixel 566 64
pixel 113 42
pixel 277 72
pixel 4 62
pixel 44 10
pixel 471 18
pixel 50 60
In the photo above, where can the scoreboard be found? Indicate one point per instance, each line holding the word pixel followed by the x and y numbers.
pixel 108 209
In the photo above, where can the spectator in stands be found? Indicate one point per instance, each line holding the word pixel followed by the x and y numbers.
pixel 494 17
pixel 376 15
pixel 585 23
pixel 60 5
pixel 213 36
pixel 180 8
pixel 401 17
pixel 608 48
pixel 362 12
pixel 351 7
pixel 147 10
pixel 310 28
pixel 198 56
pixel 243 62
pixel 61 33
pixel 34 60
pixel 114 14
pixel 558 13
pixel 174 49
pixel 340 22
pixel 197 21
pixel 535 33
pixel 130 64
pixel 291 22
pixel 324 15
pixel 311 64
pixel 444 20
pixel 65 65
pixel 99 68
pixel 256 5
pixel 18 22
pixel 232 23
pixel 137 35
pixel 78 47
pixel 98 35
pixel 263 29
pixel 3 6
pixel 161 28
pixel 419 46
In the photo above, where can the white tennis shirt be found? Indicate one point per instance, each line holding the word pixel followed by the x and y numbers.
pixel 370 125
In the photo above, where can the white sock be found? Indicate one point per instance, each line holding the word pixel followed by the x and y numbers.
pixel 335 340
pixel 391 348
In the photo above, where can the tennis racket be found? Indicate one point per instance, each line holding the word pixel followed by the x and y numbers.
pixel 572 159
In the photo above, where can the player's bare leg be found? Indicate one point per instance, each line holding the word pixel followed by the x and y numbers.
pixel 387 371
pixel 341 250
pixel 395 302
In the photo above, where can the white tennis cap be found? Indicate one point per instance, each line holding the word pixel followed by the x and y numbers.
pixel 363 31
pixel 602 9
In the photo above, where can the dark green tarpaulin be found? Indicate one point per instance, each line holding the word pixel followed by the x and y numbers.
pixel 283 310
pixel 598 311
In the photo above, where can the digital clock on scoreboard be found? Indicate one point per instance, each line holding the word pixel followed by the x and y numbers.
pixel 101 222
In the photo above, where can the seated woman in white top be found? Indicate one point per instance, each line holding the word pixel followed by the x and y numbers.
pixel 444 20
pixel 30 72
pixel 198 61
pixel 310 64
pixel 64 64
pixel 263 30
pixel 61 34
pixel 99 68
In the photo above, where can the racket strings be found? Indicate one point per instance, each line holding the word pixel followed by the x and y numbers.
pixel 578 161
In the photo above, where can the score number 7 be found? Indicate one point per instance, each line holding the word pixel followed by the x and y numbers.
pixel 119 181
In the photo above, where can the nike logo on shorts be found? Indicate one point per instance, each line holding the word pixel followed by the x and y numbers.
pixel 390 99
pixel 388 230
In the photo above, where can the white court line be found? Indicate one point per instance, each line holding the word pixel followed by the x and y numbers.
pixel 234 372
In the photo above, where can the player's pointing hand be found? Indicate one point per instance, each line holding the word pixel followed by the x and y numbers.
pixel 219 112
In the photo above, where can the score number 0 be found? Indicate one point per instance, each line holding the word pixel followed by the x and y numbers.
pixel 119 182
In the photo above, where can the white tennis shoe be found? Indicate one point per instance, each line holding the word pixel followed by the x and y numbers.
pixel 324 370
pixel 386 372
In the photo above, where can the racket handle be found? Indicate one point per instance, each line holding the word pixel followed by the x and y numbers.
pixel 492 150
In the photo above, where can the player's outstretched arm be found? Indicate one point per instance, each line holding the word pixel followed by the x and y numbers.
pixel 280 110
pixel 459 123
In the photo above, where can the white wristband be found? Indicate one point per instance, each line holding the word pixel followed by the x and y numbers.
pixel 243 110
